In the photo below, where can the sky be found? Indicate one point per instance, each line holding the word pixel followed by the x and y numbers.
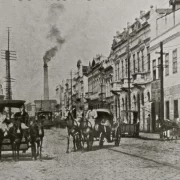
pixel 74 29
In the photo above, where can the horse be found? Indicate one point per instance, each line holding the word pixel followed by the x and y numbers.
pixel 15 135
pixel 87 133
pixel 74 131
pixel 36 132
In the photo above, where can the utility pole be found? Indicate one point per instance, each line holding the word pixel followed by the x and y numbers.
pixel 71 90
pixel 8 56
pixel 162 84
pixel 9 91
pixel 129 80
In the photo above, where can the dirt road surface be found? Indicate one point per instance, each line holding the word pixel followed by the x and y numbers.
pixel 134 159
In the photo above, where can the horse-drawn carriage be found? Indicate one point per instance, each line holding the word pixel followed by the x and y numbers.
pixel 6 142
pixel 86 133
pixel 46 117
pixel 19 137
pixel 107 128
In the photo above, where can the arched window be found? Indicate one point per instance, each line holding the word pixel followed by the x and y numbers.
pixel 134 101
pixel 126 103
pixel 123 103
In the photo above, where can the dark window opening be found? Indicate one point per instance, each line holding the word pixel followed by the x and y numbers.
pixel 167 109
pixel 176 115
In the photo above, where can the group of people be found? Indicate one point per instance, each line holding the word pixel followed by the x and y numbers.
pixel 6 124
pixel 91 115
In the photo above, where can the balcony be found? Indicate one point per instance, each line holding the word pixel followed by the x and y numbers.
pixel 116 86
pixel 87 96
pixel 78 96
pixel 140 79
pixel 125 84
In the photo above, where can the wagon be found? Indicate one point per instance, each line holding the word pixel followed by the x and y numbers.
pixel 47 118
pixel 105 128
pixel 12 105
pixel 172 125
pixel 130 129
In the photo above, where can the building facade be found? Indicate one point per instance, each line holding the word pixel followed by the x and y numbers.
pixel 96 85
pixel 166 29
pixel 133 44
pixel 80 86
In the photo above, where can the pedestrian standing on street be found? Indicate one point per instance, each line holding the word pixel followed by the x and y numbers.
pixel 91 115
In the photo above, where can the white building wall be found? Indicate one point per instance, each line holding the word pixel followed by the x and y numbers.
pixel 170 36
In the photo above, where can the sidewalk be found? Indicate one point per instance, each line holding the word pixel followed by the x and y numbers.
pixel 149 136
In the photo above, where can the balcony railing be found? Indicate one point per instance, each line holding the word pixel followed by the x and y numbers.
pixel 141 78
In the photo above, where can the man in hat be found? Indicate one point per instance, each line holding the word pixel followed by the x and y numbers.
pixel 91 115
pixel 24 118
pixel 80 115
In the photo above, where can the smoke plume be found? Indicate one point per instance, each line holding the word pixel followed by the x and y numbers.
pixel 54 33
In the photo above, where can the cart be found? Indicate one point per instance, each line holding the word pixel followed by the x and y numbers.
pixel 129 129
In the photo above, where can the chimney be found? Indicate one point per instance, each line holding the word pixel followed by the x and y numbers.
pixel 46 86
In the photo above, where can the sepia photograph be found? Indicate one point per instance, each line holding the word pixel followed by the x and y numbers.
pixel 90 90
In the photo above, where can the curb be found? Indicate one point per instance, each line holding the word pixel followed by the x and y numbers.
pixel 146 138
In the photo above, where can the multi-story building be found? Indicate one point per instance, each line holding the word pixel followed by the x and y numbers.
pixel 133 44
pixel 96 82
pixel 67 93
pixel 165 28
pixel 60 89
pixel 107 66
pixel 80 86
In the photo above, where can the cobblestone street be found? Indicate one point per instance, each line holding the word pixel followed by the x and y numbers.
pixel 133 159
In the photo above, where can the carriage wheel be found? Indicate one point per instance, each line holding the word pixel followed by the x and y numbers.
pixel 101 140
pixel 118 137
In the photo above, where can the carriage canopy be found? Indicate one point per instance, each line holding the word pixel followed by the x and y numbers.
pixel 11 103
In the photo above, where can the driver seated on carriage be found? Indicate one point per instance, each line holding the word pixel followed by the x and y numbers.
pixel 80 115
pixel 91 116
pixel 22 116
pixel 65 114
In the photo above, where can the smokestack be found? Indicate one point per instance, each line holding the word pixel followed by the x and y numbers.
pixel 46 85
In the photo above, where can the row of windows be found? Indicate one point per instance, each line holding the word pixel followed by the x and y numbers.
pixel 136 100
pixel 138 64
pixel 174 65
pixel 174 62
pixel 176 113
